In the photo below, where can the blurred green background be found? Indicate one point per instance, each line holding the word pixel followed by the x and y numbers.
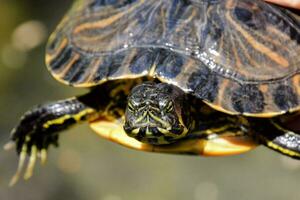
pixel 88 167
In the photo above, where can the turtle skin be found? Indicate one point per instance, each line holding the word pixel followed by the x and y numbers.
pixel 239 56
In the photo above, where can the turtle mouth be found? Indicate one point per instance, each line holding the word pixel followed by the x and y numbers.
pixel 155 132
pixel 146 126
pixel 156 135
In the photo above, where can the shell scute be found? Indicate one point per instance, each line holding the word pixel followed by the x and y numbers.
pixel 239 56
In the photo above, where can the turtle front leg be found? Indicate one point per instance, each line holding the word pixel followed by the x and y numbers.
pixel 39 128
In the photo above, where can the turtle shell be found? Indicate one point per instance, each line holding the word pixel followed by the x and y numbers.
pixel 239 56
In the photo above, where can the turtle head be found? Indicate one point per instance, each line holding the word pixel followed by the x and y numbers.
pixel 157 113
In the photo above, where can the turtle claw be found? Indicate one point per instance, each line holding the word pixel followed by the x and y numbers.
pixel 31 148
pixel 22 159
pixel 34 154
pixel 33 135
pixel 43 155
pixel 31 163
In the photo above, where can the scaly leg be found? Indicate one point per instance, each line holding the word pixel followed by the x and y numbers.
pixel 39 128
pixel 278 138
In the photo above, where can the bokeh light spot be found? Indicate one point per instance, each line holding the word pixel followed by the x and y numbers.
pixel 29 35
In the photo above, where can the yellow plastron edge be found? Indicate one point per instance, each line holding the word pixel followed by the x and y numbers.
pixel 214 147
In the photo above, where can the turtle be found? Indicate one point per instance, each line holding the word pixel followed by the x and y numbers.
pixel 196 77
